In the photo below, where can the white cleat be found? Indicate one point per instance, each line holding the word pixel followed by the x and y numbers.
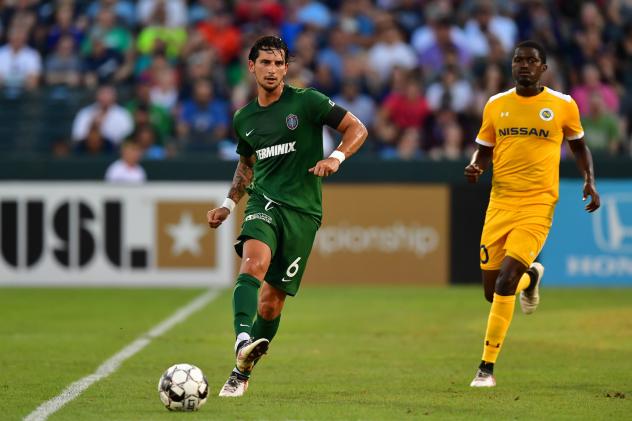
pixel 530 298
pixel 249 354
pixel 235 386
pixel 483 379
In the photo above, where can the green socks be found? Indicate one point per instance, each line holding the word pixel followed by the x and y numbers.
pixel 265 328
pixel 245 296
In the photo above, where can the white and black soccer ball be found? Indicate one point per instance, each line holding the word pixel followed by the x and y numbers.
pixel 183 387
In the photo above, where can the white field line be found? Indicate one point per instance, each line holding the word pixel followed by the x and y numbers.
pixel 114 362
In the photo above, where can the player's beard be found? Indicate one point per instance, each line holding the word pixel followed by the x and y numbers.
pixel 526 81
pixel 269 88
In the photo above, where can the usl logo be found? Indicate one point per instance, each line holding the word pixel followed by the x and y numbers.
pixel 72 225
pixel 81 232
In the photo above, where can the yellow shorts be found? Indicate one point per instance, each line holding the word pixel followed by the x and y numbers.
pixel 519 234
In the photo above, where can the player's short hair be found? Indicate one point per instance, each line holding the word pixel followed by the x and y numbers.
pixel 269 43
pixel 536 46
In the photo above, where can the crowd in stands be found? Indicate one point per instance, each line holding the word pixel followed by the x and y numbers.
pixel 169 74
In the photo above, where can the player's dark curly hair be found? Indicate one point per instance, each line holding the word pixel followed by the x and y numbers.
pixel 269 43
pixel 536 46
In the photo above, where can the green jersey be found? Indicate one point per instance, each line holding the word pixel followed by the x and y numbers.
pixel 286 138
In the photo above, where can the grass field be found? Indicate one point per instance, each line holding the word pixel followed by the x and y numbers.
pixel 368 353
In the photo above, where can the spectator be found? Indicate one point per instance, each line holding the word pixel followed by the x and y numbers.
pixel 145 137
pixel 114 121
pixel 249 12
pixel 450 142
pixel 492 82
pixel 601 127
pixel 437 40
pixel 105 29
pixel 20 65
pixel 94 144
pixel 203 119
pixel 592 84
pixel 164 91
pixel 404 110
pixel 451 92
pixel 127 169
pixel 144 112
pixel 175 12
pixel 124 10
pixel 390 51
pixel 332 56
pixel 486 24
pixel 160 36
pixel 63 67
pixel 201 61
pixel 65 26
pixel 356 21
pixel 313 14
pixel 104 65
pixel 359 104
pixel 220 33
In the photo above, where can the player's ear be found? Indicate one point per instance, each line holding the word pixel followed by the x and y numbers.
pixel 544 67
pixel 251 66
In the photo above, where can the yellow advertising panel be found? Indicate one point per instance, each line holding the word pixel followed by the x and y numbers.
pixel 390 234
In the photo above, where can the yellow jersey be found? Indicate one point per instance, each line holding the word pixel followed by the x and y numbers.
pixel 526 134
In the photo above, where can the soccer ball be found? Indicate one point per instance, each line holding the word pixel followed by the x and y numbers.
pixel 183 387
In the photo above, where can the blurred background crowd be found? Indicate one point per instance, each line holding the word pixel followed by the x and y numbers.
pixel 82 78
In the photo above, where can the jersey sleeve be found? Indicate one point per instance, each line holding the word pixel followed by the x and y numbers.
pixel 573 129
pixel 317 105
pixel 487 134
pixel 243 148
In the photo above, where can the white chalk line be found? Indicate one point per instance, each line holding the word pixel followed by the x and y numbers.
pixel 114 362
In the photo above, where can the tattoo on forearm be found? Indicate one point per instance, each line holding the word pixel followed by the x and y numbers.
pixel 241 180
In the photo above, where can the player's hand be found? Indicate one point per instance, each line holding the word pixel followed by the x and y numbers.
pixel 216 216
pixel 472 172
pixel 325 167
pixel 595 202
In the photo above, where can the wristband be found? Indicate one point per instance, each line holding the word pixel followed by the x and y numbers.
pixel 229 204
pixel 338 155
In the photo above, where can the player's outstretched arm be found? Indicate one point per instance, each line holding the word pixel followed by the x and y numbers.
pixel 481 159
pixel 353 136
pixel 241 180
pixel 583 157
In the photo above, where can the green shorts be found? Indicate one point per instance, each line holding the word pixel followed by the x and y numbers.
pixel 289 234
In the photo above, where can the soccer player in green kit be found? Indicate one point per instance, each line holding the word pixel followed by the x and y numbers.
pixel 281 165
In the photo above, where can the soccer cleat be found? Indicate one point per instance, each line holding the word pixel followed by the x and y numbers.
pixel 530 297
pixel 249 353
pixel 235 386
pixel 483 379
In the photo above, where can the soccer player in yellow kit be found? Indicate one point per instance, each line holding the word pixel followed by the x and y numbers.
pixel 522 134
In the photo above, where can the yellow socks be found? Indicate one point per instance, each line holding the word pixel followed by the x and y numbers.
pixel 498 323
pixel 524 282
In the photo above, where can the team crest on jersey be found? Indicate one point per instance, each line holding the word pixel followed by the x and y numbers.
pixel 292 121
pixel 546 114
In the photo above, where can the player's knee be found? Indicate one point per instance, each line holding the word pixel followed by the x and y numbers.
pixel 507 282
pixel 254 267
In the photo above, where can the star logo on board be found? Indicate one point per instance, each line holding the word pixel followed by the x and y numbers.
pixel 183 237
pixel 186 235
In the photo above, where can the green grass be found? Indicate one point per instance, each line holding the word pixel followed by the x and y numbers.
pixel 368 353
